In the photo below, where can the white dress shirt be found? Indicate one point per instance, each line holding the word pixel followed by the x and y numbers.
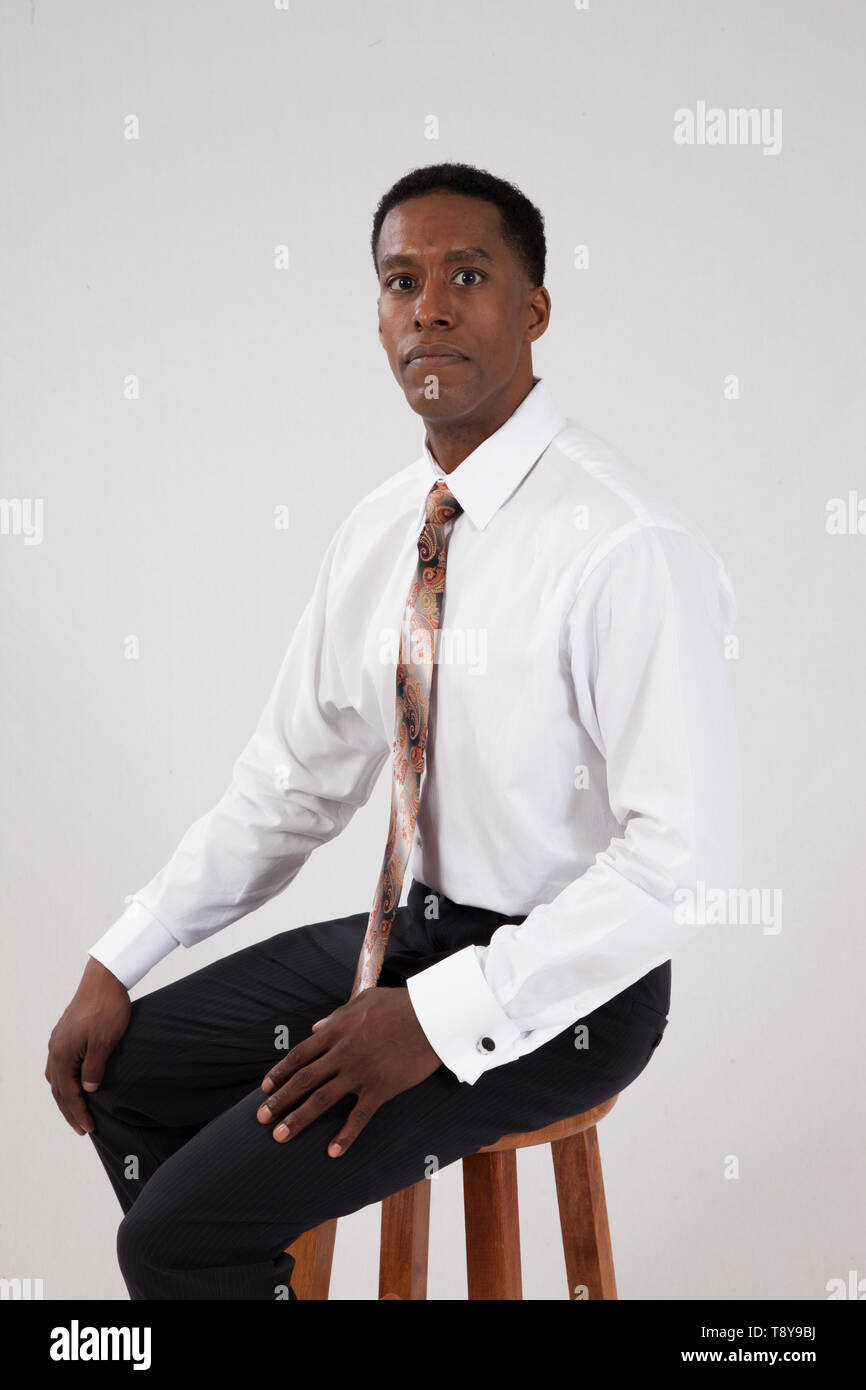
pixel 582 761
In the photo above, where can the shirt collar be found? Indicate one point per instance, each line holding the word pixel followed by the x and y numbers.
pixel 487 477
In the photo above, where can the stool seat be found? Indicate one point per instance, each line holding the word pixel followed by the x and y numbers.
pixel 490 1203
pixel 561 1129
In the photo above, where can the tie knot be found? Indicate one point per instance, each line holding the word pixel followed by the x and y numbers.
pixel 442 505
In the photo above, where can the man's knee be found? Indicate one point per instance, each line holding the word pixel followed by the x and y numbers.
pixel 150 1246
pixel 137 1256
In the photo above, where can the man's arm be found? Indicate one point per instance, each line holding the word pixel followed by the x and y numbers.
pixel 644 640
pixel 312 761
pixel 310 764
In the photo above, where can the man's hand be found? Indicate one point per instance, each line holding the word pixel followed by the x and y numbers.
pixel 372 1047
pixel 83 1040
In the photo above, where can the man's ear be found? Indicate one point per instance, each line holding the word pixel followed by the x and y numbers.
pixel 540 306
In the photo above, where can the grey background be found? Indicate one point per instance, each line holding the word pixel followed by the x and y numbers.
pixel 259 387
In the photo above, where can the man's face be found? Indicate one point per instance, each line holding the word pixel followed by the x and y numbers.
pixel 448 279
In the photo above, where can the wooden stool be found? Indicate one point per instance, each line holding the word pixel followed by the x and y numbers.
pixel 492 1223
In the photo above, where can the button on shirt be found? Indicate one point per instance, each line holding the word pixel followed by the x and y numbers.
pixel 582 761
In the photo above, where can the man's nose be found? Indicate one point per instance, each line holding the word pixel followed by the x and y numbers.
pixel 432 304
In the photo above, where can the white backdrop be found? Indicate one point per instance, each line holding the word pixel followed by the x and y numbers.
pixel 153 157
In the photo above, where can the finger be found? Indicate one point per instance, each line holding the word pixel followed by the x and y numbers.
pixel 319 1101
pixel 70 1090
pixel 82 1119
pixel 272 1077
pixel 287 1066
pixel 309 1077
pixel 63 1107
pixel 355 1122
pixel 93 1066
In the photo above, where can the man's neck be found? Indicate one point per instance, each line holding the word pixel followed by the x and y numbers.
pixel 450 442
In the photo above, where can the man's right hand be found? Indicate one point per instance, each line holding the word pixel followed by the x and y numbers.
pixel 83 1039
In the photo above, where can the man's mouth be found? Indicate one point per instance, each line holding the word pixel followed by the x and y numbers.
pixel 430 354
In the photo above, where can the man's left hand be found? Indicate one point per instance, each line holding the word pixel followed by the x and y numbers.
pixel 372 1047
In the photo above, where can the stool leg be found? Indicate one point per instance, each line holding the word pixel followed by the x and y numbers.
pixel 583 1216
pixel 492 1225
pixel 404 1243
pixel 314 1254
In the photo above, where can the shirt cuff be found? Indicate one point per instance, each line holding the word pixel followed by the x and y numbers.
pixel 134 945
pixel 461 1017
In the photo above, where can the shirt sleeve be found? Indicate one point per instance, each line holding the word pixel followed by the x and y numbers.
pixel 312 761
pixel 644 646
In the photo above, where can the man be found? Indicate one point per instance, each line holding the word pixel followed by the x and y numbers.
pixel 572 732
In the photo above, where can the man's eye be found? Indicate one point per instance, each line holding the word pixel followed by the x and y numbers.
pixel 469 271
pixel 395 278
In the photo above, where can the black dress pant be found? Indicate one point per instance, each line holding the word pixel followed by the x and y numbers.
pixel 210 1198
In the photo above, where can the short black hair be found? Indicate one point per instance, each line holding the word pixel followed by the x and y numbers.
pixel 522 223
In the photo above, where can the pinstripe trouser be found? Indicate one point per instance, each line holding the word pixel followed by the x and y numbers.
pixel 211 1200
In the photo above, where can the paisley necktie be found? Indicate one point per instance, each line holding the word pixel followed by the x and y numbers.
pixel 414 679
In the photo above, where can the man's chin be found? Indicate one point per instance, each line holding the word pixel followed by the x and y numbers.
pixel 434 398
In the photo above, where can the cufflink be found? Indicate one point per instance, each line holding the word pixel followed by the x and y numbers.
pixel 485 1045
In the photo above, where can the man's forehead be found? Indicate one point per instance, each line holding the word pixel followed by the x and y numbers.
pixel 454 253
pixel 459 221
